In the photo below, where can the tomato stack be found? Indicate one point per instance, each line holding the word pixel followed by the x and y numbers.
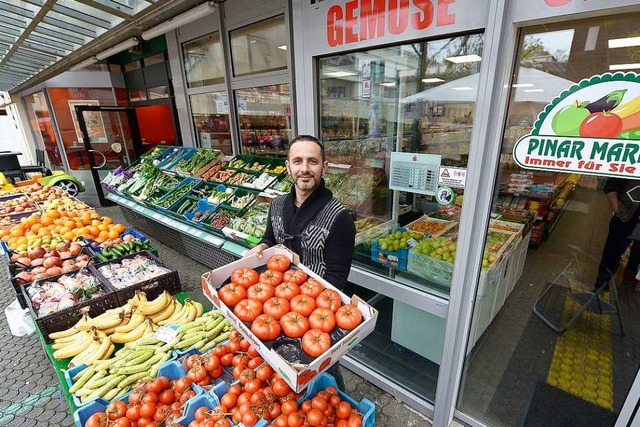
pixel 152 403
pixel 282 300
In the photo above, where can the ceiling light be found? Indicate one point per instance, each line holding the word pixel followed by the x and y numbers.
pixel 533 90
pixel 625 42
pixel 464 58
pixel 389 84
pixel 615 67
pixel 283 47
pixel 120 47
pixel 463 88
pixel 432 80
pixel 179 20
pixel 339 74
pixel 84 64
pixel 523 85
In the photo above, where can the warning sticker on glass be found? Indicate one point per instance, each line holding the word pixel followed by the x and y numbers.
pixel 452 177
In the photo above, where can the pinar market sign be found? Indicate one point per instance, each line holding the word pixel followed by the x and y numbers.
pixel 591 128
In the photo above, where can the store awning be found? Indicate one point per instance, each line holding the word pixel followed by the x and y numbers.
pixel 42 38
pixel 532 86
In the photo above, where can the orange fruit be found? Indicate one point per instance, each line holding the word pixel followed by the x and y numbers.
pixel 119 228
pixel 95 222
pixel 93 230
pixel 64 229
pixel 107 220
pixel 103 227
pixel 46 220
pixel 69 235
pixel 80 231
pixel 113 234
pixel 104 235
pixel 94 215
pixel 4 233
pixel 53 214
pixel 16 232
pixel 69 223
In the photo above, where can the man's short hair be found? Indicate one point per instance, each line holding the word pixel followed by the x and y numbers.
pixel 308 138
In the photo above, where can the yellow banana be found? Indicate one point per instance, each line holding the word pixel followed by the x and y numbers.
pixel 134 334
pixel 139 298
pixel 177 313
pixel 199 308
pixel 72 330
pixel 108 322
pixel 99 352
pixel 193 311
pixel 109 352
pixel 63 342
pixel 123 321
pixel 136 320
pixel 86 353
pixel 74 348
pixel 166 312
pixel 155 306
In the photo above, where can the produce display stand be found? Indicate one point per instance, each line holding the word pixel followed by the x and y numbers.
pixel 60 366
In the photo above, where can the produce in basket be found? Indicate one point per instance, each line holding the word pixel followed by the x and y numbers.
pixel 131 271
pixel 49 297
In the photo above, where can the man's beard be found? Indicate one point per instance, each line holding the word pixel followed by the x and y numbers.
pixel 306 185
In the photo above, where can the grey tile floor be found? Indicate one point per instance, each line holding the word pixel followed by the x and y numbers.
pixel 29 388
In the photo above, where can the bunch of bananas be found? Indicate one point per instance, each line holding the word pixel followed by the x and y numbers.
pixel 141 359
pixel 84 347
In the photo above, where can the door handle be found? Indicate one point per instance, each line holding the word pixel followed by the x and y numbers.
pixel 104 158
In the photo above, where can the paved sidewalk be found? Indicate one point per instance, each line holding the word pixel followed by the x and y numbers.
pixel 29 388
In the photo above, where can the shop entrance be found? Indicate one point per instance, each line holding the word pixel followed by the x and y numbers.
pixel 111 138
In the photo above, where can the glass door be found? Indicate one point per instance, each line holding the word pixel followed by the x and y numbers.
pixel 111 139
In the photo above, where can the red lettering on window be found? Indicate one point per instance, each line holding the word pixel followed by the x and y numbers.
pixel 443 13
pixel 334 29
pixel 371 19
pixel 398 16
pixel 350 21
pixel 424 18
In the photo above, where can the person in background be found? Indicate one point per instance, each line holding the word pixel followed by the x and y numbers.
pixel 621 194
pixel 311 222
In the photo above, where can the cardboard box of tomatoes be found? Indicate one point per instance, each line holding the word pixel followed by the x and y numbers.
pixel 298 358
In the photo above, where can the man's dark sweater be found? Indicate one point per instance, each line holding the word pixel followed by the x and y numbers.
pixel 321 231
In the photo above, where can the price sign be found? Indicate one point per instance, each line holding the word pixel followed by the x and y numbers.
pixel 165 334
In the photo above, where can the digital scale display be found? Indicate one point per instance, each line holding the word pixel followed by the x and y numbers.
pixel 415 173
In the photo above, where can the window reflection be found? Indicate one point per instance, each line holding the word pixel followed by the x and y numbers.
pixel 203 61
pixel 260 47
pixel 211 119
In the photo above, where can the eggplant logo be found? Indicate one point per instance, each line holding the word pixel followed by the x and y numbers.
pixel 591 128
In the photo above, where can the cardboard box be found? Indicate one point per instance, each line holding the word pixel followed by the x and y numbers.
pixel 296 375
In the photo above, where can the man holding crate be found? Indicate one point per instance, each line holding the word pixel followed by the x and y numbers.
pixel 310 221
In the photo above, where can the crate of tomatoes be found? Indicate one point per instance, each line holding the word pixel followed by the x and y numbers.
pixel 298 322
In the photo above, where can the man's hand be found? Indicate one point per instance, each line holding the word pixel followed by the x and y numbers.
pixel 257 251
pixel 613 201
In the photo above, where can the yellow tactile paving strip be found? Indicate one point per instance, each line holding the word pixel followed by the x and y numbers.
pixel 582 361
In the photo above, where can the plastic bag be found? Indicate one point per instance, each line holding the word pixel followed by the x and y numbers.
pixel 20 323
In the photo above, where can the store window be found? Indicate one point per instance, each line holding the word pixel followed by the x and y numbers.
pixel 210 112
pixel 549 237
pixel 42 128
pixel 260 47
pixel 203 61
pixel 416 100
pixel 264 114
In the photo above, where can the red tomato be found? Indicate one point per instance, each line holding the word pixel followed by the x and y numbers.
pixel 116 409
pixel 220 350
pixel 247 310
pixel 162 411
pixel 315 342
pixel 323 319
pixel 303 304
pixel 344 410
pixel 235 389
pixel 167 397
pixel 210 362
pixel 133 412
pixel 329 299
pixel 289 406
pixel 348 317
pixel 226 359
pixel 314 417
pixel 287 290
pixel 355 421
pixel 246 375
pixel 249 419
pixel 264 372
pixel 261 291
pixel 294 325
pixel 276 307
pixel 311 287
pixel 224 422
pixel 99 419
pixel 266 328
pixel 296 276
pixel 228 400
pixel 192 360
pixel 296 419
pixel 148 410
pixel 601 125
pixel 197 374
pixel 244 277
pixel 279 263
pixel 281 421
pixel 280 387
pixel 251 387
pixel 231 294
pixel 272 277
pixel 121 422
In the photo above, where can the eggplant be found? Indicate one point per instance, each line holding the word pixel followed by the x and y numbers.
pixel 607 102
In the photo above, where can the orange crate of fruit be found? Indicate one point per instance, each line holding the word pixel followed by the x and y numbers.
pixel 431 227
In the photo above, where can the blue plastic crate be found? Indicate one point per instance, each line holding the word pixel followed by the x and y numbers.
pixel 219 390
pixel 192 406
pixel 82 414
pixel 134 233
pixel 324 380
pixel 396 259
pixel 171 158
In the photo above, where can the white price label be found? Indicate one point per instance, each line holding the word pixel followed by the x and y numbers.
pixel 412 242
pixel 165 334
